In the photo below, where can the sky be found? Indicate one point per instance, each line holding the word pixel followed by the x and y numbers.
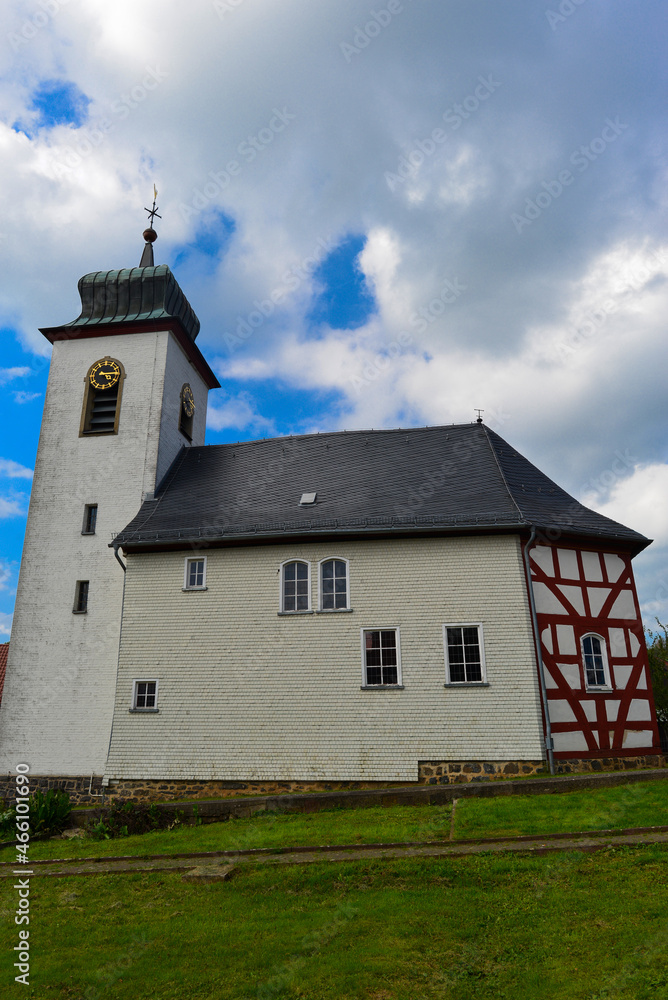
pixel 384 214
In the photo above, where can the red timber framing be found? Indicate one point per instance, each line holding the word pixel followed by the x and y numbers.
pixel 580 592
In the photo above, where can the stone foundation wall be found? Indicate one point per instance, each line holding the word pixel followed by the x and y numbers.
pixel 81 790
pixel 439 772
pixel 579 766
pixel 433 772
pixel 87 791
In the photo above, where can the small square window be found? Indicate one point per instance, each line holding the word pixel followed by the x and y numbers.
pixel 464 654
pixel 90 519
pixel 381 658
pixel 145 696
pixel 81 597
pixel 195 574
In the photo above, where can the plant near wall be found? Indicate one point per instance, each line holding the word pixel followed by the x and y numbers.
pixel 50 813
pixel 124 818
pixel 7 819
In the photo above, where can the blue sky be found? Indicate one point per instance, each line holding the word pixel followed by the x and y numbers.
pixel 464 206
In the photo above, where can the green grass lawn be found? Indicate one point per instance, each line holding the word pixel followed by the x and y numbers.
pixel 617 808
pixel 572 926
pixel 642 804
pixel 556 927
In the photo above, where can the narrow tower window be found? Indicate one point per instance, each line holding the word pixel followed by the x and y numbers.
pixel 90 519
pixel 81 597
pixel 102 398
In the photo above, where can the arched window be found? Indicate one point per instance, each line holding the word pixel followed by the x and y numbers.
pixel 595 658
pixel 102 398
pixel 334 585
pixel 295 586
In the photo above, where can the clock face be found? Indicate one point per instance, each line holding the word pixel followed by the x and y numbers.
pixel 187 400
pixel 104 374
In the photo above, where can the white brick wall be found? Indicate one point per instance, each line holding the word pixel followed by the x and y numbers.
pixel 58 699
pixel 247 694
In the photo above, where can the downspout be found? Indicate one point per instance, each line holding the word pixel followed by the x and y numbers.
pixel 549 744
pixel 120 561
pixel 105 781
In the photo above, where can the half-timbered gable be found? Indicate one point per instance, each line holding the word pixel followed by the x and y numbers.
pixel 591 635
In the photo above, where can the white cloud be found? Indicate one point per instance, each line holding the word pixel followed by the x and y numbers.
pixel 5 625
pixel 639 501
pixel 21 397
pixel 8 374
pixel 13 470
pixel 239 412
pixel 13 506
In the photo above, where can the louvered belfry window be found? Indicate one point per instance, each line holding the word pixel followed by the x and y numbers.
pixel 103 411
pixel 102 402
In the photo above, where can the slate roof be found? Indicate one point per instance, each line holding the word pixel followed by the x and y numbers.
pixel 132 295
pixel 458 479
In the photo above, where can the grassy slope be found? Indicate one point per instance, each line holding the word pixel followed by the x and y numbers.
pixel 643 804
pixel 564 926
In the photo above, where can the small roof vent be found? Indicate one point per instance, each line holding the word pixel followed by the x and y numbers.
pixel 307 499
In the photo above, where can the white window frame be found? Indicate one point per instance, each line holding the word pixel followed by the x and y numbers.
pixel 322 562
pixel 302 611
pixel 481 645
pixel 186 573
pixel 144 680
pixel 381 628
pixel 607 686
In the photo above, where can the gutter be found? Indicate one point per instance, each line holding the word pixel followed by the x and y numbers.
pixel 549 743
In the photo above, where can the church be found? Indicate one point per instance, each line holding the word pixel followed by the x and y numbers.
pixel 318 610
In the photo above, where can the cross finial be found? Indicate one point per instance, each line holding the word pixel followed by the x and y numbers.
pixel 479 420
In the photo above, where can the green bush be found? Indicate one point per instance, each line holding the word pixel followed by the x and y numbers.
pixel 49 814
pixel 657 652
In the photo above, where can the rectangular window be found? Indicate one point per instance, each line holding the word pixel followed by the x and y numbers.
pixel 90 519
pixel 381 658
pixel 145 696
pixel 81 597
pixel 464 654
pixel 195 574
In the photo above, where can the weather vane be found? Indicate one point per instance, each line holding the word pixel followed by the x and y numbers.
pixel 152 212
pixel 150 235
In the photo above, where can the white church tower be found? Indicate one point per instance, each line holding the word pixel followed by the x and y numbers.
pixel 127 390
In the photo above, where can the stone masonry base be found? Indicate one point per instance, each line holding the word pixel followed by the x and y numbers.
pixel 87 790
